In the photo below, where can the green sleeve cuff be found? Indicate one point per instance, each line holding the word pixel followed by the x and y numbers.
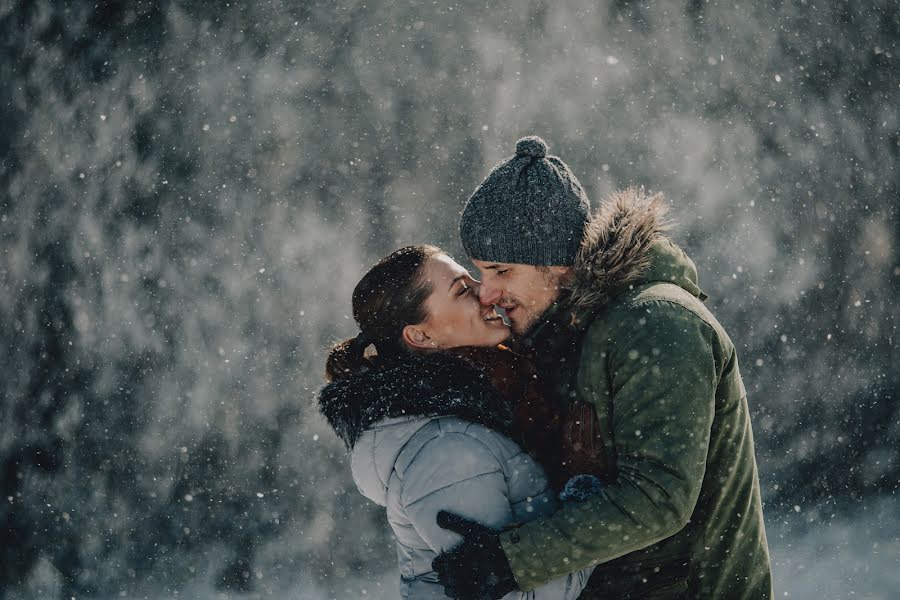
pixel 524 558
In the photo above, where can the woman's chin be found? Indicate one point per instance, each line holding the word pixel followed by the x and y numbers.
pixel 490 337
pixel 499 333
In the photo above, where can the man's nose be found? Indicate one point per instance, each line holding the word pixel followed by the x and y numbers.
pixel 488 295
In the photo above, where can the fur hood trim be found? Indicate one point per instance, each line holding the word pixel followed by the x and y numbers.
pixel 615 249
pixel 436 385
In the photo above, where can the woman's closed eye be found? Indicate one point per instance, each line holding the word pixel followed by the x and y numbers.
pixel 463 290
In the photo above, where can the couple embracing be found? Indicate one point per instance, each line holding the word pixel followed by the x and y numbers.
pixel 598 446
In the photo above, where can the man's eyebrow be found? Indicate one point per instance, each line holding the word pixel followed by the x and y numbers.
pixel 457 278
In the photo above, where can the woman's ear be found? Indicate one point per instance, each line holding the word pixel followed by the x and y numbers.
pixel 415 337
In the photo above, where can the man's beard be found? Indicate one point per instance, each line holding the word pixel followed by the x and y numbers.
pixel 528 320
pixel 524 326
pixel 531 321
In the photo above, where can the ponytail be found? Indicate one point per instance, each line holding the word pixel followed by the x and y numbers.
pixel 345 359
pixel 349 357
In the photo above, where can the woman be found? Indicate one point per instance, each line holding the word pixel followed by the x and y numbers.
pixel 419 410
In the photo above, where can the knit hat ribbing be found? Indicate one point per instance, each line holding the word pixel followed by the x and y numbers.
pixel 529 210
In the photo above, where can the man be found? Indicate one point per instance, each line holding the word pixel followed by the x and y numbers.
pixel 611 312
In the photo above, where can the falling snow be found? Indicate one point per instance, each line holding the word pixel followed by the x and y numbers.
pixel 191 190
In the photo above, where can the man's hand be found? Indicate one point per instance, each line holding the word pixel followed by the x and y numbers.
pixel 477 568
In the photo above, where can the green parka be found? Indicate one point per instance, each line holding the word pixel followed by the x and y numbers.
pixel 679 514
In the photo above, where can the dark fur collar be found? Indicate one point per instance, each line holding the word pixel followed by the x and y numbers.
pixel 435 385
pixel 615 250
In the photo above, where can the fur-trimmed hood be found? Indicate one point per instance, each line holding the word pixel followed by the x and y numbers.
pixel 624 244
pixel 439 384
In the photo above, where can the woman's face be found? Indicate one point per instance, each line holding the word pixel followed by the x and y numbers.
pixel 455 316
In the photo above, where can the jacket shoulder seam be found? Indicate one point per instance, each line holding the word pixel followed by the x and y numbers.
pixel 670 301
pixel 708 327
pixel 648 301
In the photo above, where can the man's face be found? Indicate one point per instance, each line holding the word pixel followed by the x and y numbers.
pixel 523 291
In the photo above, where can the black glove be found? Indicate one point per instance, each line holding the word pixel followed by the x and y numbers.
pixel 477 568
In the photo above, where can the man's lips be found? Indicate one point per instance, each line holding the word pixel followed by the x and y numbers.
pixel 508 308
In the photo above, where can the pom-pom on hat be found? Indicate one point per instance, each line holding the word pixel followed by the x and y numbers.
pixel 529 210
pixel 532 146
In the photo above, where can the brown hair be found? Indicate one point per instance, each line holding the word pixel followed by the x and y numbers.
pixel 388 298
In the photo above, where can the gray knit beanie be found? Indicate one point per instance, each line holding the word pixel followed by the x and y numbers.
pixel 529 210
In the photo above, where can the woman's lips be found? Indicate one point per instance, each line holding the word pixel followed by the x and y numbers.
pixel 494 319
pixel 490 315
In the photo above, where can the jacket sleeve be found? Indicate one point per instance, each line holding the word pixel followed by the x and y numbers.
pixel 459 473
pixel 456 472
pixel 654 364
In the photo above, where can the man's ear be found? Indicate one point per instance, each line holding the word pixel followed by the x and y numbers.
pixel 563 275
pixel 415 337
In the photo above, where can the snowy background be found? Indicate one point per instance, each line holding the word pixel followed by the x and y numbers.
pixel 190 190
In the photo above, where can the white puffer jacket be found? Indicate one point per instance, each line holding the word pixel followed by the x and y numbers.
pixel 424 438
